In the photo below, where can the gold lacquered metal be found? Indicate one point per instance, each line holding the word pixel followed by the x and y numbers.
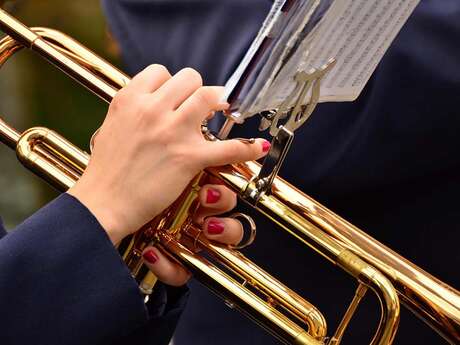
pixel 233 277
pixel 339 332
pixel 435 302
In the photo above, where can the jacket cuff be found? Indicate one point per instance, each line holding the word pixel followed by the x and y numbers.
pixel 165 309
pixel 70 274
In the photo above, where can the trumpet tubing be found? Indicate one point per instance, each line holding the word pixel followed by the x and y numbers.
pixel 243 285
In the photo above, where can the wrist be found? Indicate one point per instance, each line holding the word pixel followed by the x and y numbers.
pixel 104 211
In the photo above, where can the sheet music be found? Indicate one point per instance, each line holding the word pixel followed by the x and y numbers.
pixel 356 33
pixel 263 33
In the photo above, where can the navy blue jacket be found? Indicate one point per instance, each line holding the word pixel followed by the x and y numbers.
pixel 387 162
pixel 62 282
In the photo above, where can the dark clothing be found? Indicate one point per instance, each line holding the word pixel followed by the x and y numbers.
pixel 387 162
pixel 63 282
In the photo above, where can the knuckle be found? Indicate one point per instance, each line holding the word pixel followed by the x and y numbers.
pixel 145 108
pixel 193 76
pixel 232 151
pixel 206 97
pixel 120 100
pixel 150 118
pixel 158 70
pixel 138 109
pixel 158 101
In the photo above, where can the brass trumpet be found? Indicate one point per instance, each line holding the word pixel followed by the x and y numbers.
pixel 242 285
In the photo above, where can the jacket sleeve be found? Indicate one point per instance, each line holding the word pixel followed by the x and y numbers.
pixel 63 282
pixel 165 308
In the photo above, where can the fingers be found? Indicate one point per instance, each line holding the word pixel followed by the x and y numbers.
pixel 214 199
pixel 223 230
pixel 165 269
pixel 150 79
pixel 234 151
pixel 183 91
pixel 203 103
pixel 179 88
pixel 217 197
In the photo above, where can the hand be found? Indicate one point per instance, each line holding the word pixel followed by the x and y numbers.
pixel 150 146
pixel 214 200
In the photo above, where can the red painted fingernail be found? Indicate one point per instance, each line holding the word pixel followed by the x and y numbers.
pixel 150 256
pixel 213 196
pixel 215 227
pixel 266 146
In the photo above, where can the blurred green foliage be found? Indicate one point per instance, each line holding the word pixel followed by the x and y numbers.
pixel 32 93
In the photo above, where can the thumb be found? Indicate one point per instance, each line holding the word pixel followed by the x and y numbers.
pixel 234 151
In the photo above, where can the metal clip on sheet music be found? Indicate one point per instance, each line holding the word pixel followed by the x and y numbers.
pixel 308 84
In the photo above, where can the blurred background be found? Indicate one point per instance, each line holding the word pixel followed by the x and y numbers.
pixel 33 93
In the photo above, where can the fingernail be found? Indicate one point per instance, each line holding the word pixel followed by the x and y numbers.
pixel 266 146
pixel 150 256
pixel 213 196
pixel 215 227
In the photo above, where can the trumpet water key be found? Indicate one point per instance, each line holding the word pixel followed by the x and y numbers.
pixel 226 272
